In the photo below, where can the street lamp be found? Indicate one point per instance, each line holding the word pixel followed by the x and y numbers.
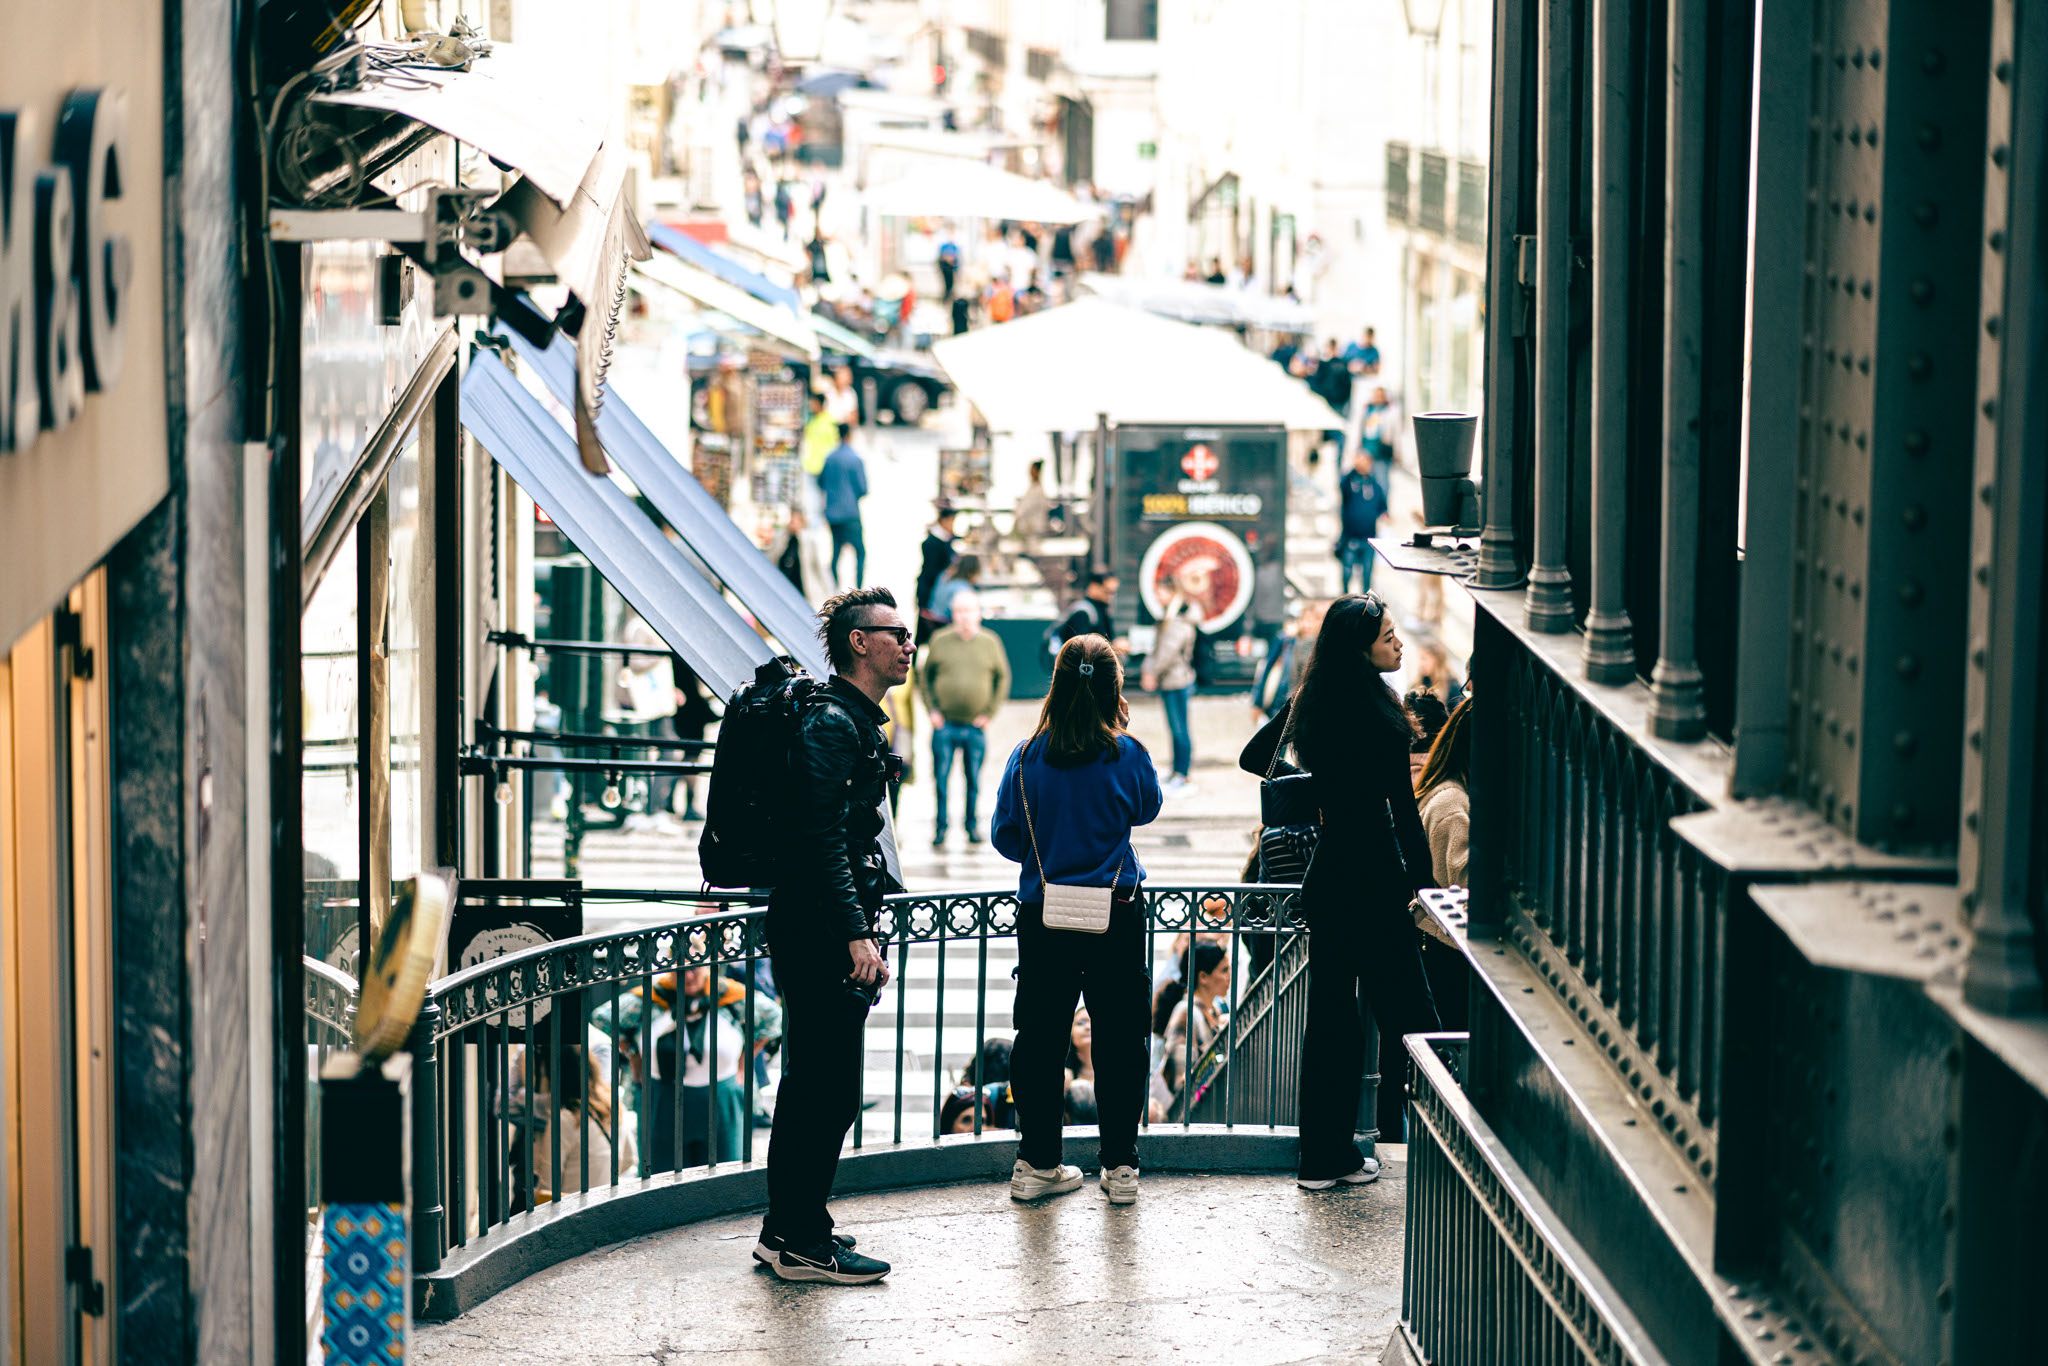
pixel 800 29
pixel 1425 17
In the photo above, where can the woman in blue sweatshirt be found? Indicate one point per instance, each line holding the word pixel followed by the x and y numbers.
pixel 1071 794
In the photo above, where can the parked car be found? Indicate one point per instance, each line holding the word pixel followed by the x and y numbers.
pixel 907 386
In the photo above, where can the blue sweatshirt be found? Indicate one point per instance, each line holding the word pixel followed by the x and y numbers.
pixel 1083 816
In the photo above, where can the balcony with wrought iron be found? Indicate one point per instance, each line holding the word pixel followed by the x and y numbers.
pixel 509 1182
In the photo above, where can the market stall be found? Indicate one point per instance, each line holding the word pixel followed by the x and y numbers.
pixel 1190 447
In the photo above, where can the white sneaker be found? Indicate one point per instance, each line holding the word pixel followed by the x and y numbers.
pixel 1120 1184
pixel 1365 1175
pixel 1031 1183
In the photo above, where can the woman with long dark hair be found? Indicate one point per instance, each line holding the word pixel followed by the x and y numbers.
pixel 1349 730
pixel 1065 808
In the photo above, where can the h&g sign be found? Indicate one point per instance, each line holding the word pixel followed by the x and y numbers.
pixel 64 274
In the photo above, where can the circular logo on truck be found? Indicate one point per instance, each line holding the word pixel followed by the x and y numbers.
pixel 1207 564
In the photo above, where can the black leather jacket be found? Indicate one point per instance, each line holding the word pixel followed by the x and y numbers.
pixel 837 877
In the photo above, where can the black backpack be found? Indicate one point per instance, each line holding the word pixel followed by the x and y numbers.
pixel 753 788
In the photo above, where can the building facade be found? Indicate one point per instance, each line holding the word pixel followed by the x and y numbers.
pixel 1756 1066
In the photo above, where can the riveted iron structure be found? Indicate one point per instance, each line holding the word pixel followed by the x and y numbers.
pixel 1757 1066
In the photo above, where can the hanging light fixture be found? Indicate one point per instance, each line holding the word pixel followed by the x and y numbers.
pixel 800 29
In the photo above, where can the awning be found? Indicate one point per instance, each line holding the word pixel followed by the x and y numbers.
pixel 844 340
pixel 500 105
pixel 704 526
pixel 679 243
pixel 967 190
pixel 713 293
pixel 1193 302
pixel 1054 371
pixel 620 541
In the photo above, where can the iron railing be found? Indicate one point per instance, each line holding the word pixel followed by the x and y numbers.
pixel 1400 203
pixel 493 1146
pixel 1490 1274
pixel 330 1006
pixel 1622 917
pixel 1433 192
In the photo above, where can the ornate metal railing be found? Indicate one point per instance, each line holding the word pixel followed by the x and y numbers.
pixel 1622 917
pixel 330 1006
pixel 1490 1273
pixel 496 1135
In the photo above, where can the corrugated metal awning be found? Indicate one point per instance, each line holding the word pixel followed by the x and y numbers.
pixel 648 570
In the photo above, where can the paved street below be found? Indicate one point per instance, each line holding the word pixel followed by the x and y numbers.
pixel 1243 1269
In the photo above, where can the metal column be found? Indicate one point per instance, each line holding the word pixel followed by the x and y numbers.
pixel 1499 559
pixel 1610 639
pixel 1550 582
pixel 2003 691
pixel 1677 709
pixel 1780 214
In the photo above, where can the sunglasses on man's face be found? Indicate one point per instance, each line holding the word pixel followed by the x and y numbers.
pixel 902 633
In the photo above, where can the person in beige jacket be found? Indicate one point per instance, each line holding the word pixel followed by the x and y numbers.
pixel 1442 794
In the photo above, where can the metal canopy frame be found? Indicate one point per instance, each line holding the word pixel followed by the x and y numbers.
pixel 694 513
pixel 620 542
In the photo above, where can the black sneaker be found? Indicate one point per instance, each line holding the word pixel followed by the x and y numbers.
pixel 768 1244
pixel 827 1262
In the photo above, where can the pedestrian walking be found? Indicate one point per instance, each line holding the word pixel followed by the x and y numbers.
pixel 1363 358
pixel 963 577
pixel 842 400
pixel 1170 671
pixel 935 557
pixel 784 207
pixel 1069 798
pixel 844 482
pixel 1348 730
pixel 966 679
pixel 1332 382
pixel 821 933
pixel 1362 506
pixel 949 264
pixel 820 435
pixel 1088 616
pixel 1285 660
pixel 643 703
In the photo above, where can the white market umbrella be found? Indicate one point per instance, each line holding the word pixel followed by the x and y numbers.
pixel 1054 371
pixel 965 189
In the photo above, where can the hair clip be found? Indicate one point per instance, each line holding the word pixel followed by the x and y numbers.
pixel 1087 669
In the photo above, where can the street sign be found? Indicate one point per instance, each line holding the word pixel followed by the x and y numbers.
pixel 1148 151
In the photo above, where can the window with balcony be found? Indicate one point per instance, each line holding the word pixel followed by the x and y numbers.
pixel 1133 21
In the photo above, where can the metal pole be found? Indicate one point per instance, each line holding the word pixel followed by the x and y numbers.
pixel 2001 849
pixel 1099 498
pixel 1610 639
pixel 428 1216
pixel 1550 582
pixel 1677 709
pixel 1499 566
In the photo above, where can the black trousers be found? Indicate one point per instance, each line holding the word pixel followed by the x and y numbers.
pixel 1056 971
pixel 820 1096
pixel 1352 945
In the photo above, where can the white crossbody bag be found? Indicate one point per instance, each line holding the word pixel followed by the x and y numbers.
pixel 1083 910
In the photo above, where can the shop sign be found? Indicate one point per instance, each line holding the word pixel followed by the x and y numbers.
pixel 64 273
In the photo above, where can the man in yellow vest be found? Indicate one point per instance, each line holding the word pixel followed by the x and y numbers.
pixel 821 434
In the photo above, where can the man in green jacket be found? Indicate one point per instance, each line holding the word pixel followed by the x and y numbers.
pixel 966 678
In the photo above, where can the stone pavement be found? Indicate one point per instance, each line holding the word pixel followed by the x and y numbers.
pixel 1243 1269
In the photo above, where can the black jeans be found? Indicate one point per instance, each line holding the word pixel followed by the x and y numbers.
pixel 846 534
pixel 1350 945
pixel 820 1095
pixel 1056 970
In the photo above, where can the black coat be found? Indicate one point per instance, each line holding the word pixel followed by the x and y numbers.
pixel 837 878
pixel 1373 845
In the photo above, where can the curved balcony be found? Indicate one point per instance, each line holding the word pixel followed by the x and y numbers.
pixel 507 1180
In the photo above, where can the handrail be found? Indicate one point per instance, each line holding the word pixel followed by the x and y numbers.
pixel 493 1038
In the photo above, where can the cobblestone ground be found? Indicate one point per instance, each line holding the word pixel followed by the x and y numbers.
pixel 1244 1270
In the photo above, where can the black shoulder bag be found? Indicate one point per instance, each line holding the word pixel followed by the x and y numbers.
pixel 1291 819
